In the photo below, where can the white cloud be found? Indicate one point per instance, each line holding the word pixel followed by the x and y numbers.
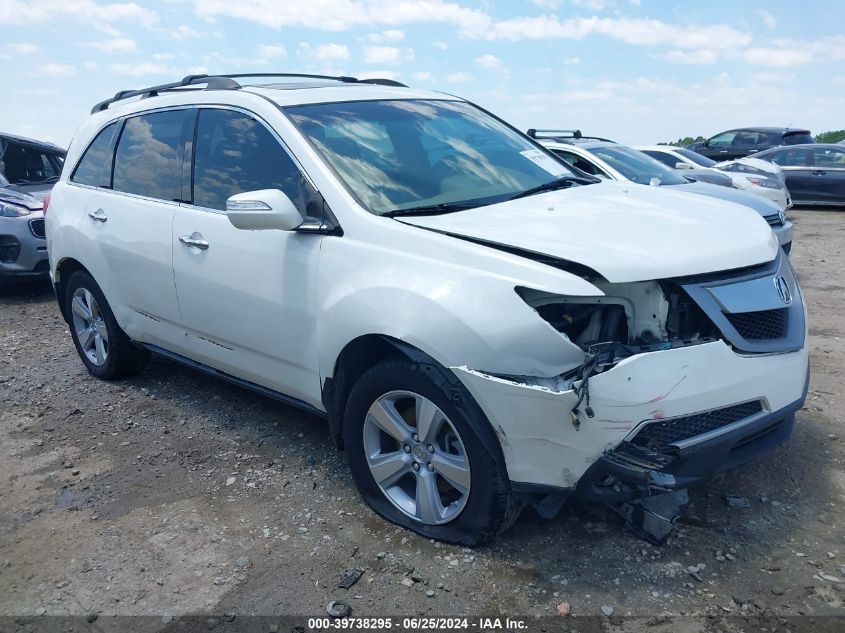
pixel 639 31
pixel 441 45
pixel 459 78
pixel 423 75
pixel 183 31
pixel 777 57
pixel 768 19
pixel 492 63
pixel 341 15
pixel 56 70
pixel 323 53
pixel 23 12
pixel 572 61
pixel 163 57
pixel 272 51
pixel 23 48
pixel 592 5
pixel 702 56
pixel 386 55
pixel 114 45
pixel 391 35
pixel 547 4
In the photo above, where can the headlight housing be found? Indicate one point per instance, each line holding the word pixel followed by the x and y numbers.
pixel 9 210
pixel 762 181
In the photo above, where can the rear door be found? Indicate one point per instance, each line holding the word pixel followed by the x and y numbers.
pixel 128 219
pixel 795 164
pixel 720 147
pixel 828 174
pixel 247 298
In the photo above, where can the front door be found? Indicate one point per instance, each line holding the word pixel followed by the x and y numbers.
pixel 247 298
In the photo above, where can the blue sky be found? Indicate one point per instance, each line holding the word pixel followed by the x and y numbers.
pixel 637 71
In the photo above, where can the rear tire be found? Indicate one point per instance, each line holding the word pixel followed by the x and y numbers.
pixel 472 506
pixel 103 347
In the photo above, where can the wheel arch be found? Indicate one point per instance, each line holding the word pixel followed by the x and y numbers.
pixel 64 269
pixel 366 351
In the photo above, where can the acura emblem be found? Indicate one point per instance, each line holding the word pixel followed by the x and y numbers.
pixel 783 289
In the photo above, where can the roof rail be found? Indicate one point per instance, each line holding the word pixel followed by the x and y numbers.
pixel 563 134
pixel 227 82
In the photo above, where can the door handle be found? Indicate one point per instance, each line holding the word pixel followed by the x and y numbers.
pixel 98 216
pixel 818 173
pixel 194 239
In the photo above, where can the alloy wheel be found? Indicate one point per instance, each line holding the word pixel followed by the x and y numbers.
pixel 89 327
pixel 416 457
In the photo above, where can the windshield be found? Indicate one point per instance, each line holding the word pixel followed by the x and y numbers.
pixel 695 157
pixel 637 166
pixel 23 164
pixel 404 154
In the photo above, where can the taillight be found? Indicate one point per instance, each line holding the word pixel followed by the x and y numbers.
pixel 46 203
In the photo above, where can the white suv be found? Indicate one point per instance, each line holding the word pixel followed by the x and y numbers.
pixel 482 327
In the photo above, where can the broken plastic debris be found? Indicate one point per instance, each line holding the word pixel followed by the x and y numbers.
pixel 338 609
pixel 350 577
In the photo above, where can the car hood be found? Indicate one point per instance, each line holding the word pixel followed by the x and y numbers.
pixel 712 176
pixel 760 205
pixel 28 200
pixel 623 231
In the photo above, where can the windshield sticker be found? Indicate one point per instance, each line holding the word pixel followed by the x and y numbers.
pixel 544 161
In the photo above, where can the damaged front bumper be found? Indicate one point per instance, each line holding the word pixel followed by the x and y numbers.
pixel 662 420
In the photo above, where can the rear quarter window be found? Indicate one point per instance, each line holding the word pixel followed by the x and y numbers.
pixel 94 168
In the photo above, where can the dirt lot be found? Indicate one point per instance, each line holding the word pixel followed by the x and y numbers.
pixel 175 493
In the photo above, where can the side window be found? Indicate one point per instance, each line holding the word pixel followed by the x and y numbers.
pixel 147 158
pixel 579 163
pixel 235 153
pixel 790 158
pixel 663 157
pixel 725 138
pixel 92 168
pixel 828 157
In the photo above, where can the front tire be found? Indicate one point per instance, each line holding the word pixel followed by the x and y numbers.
pixel 103 347
pixel 424 459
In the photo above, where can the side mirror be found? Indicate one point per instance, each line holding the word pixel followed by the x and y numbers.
pixel 682 165
pixel 261 210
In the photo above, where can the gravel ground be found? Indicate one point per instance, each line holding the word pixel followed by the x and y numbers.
pixel 174 493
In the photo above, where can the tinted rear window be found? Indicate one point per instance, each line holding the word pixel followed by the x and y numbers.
pixel 147 159
pixel 797 138
pixel 91 169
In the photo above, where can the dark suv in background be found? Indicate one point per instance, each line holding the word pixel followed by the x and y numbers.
pixel 28 171
pixel 749 140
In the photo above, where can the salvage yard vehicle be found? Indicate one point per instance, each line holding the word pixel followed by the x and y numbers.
pixel 28 170
pixel 748 174
pixel 607 159
pixel 814 173
pixel 481 326
pixel 748 141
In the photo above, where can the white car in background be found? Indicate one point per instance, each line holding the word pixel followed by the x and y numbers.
pixel 748 174
pixel 612 161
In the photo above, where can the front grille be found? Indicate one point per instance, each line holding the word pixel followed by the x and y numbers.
pixel 658 436
pixel 759 326
pixel 774 220
pixel 37 227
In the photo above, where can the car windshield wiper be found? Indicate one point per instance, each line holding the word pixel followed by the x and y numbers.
pixel 431 209
pixel 559 183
